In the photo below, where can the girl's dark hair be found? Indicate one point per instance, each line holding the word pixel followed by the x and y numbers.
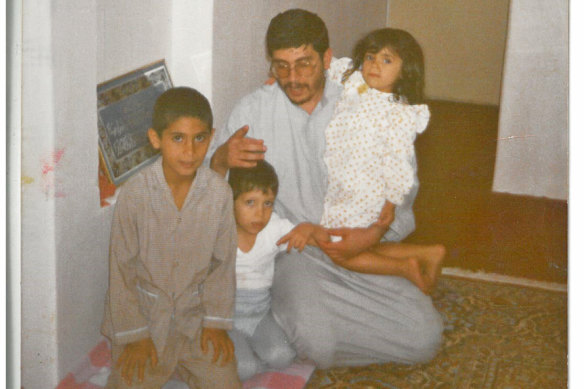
pixel 262 177
pixel 180 102
pixel 295 28
pixel 411 83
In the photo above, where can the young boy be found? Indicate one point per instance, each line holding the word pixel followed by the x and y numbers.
pixel 172 259
pixel 259 341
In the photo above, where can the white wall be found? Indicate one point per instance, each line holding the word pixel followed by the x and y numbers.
pixel 532 151
pixel 191 57
pixel 38 291
pixel 14 80
pixel 68 48
pixel 240 64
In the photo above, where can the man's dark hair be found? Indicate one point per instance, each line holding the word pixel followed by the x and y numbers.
pixel 295 28
pixel 262 177
pixel 180 102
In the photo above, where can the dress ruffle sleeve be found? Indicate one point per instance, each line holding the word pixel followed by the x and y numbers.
pixel 404 122
pixel 338 67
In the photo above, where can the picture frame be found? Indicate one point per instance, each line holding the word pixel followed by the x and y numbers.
pixel 124 113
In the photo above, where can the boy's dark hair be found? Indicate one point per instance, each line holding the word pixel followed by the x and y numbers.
pixel 262 177
pixel 411 83
pixel 295 28
pixel 180 102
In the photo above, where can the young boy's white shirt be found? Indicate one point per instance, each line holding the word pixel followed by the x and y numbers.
pixel 255 268
pixel 169 265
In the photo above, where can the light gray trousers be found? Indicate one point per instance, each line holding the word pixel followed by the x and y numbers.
pixel 259 341
pixel 336 317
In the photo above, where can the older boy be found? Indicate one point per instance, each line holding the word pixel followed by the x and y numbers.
pixel 330 314
pixel 172 259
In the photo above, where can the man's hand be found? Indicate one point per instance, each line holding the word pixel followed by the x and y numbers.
pixel 135 355
pixel 221 343
pixel 354 241
pixel 238 151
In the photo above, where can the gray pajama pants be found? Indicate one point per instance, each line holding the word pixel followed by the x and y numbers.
pixel 340 318
pixel 259 341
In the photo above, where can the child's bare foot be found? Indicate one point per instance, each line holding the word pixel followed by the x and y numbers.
pixel 415 274
pixel 431 264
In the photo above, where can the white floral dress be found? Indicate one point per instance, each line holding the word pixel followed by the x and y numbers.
pixel 369 153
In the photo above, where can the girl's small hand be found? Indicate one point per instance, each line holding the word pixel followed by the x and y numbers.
pixel 221 343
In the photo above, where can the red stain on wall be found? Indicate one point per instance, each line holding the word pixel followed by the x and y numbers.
pixel 50 186
pixel 51 162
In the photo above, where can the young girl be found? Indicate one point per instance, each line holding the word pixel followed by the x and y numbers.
pixel 370 150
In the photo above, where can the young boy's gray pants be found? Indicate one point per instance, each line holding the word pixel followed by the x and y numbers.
pixel 259 341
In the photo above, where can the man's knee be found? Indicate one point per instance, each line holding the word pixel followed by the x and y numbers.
pixel 428 338
pixel 315 342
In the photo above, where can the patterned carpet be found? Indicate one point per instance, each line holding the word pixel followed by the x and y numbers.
pixel 496 336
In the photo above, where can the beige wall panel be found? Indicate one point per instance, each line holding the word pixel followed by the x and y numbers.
pixel 463 43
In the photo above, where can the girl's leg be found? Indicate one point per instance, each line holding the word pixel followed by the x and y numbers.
pixel 270 343
pixel 431 256
pixel 417 263
pixel 428 257
pixel 374 262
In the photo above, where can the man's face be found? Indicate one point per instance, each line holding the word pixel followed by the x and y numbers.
pixel 300 73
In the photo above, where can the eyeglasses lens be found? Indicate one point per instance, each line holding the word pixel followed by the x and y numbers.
pixel 302 69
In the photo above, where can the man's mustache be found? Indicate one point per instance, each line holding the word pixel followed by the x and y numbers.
pixel 295 85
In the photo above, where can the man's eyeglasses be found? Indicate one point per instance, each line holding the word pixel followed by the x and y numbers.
pixel 304 68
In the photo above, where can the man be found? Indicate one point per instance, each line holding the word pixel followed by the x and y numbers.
pixel 331 315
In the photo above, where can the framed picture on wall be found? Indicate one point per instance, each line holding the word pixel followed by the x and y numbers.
pixel 124 113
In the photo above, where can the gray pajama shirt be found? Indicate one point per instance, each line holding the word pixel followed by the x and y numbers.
pixel 172 271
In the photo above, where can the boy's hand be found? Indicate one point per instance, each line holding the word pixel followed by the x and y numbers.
pixel 135 355
pixel 298 237
pixel 221 344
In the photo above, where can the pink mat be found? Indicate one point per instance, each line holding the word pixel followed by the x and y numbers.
pixel 94 369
